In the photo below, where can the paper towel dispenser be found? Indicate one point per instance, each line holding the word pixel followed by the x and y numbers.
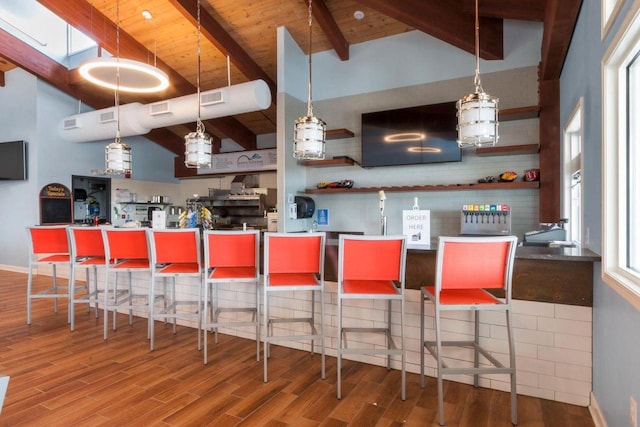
pixel 306 206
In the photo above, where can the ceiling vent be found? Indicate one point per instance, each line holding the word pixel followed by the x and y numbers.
pixel 162 107
pixel 107 117
pixel 72 123
pixel 211 98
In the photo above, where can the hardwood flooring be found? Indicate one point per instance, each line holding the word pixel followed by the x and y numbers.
pixel 63 378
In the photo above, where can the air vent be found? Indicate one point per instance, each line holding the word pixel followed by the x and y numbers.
pixel 158 108
pixel 73 123
pixel 211 98
pixel 107 117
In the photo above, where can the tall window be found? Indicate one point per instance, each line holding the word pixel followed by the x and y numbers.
pixel 572 174
pixel 621 159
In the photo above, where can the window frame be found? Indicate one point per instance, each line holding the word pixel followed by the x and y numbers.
pixel 615 235
pixel 610 9
pixel 573 128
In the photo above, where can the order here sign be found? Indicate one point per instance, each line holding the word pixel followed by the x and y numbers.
pixel 416 225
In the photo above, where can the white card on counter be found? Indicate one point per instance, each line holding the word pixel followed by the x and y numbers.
pixel 416 225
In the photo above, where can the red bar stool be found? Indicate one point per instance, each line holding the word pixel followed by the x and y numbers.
pixel 87 251
pixel 294 262
pixel 465 268
pixel 175 253
pixel 371 268
pixel 48 245
pixel 128 251
pixel 233 258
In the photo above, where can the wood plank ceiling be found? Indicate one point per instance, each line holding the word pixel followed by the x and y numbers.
pixel 245 30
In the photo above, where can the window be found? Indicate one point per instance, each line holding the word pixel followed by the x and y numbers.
pixel 572 174
pixel 621 159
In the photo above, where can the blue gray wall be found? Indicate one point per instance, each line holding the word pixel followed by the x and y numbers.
pixel 616 323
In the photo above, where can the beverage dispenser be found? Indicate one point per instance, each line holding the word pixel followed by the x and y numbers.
pixel 485 219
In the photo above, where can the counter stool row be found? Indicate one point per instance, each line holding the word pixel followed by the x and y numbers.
pixel 369 268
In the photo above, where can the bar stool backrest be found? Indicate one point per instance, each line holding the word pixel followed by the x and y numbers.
pixel 49 240
pixel 86 242
pixel 126 243
pixel 475 262
pixel 231 248
pixel 294 253
pixel 175 246
pixel 371 258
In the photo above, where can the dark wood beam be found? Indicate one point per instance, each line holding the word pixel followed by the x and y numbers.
pixel 167 139
pixel 550 171
pixel 438 19
pixel 41 66
pixel 221 39
pixel 227 126
pixel 2 82
pixel 523 10
pixel 330 28
pixel 559 22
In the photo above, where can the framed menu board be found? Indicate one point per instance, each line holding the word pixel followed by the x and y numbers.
pixel 56 205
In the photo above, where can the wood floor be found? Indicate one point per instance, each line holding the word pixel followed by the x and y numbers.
pixel 63 378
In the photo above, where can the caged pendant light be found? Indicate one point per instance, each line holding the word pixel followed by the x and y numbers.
pixel 478 111
pixel 309 131
pixel 197 145
pixel 118 154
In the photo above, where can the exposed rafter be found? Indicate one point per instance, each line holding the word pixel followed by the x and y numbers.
pixel 83 16
pixel 435 18
pixel 213 31
pixel 524 10
pixel 559 22
pixel 331 30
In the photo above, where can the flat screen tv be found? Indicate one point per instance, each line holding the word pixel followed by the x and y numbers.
pixel 13 160
pixel 407 136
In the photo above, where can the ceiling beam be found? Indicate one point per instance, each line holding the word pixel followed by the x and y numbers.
pixel 83 16
pixel 330 28
pixel 559 22
pixel 2 81
pixel 522 10
pixel 437 18
pixel 222 40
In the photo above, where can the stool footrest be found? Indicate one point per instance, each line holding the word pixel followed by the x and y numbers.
pixel 498 368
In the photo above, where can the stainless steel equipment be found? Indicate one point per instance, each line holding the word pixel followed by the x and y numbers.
pixel 231 210
pixel 486 220
pixel 550 234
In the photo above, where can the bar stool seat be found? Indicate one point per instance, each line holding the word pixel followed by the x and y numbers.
pixel 48 246
pixel 371 268
pixel 294 262
pixel 466 269
pixel 232 259
pixel 175 253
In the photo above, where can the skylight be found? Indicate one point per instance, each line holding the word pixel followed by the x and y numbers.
pixel 41 29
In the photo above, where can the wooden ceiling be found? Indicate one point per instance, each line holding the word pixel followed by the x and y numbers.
pixel 245 30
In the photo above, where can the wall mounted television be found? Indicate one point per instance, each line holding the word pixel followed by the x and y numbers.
pixel 407 136
pixel 13 160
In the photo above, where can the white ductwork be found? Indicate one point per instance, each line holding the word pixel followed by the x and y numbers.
pixel 138 119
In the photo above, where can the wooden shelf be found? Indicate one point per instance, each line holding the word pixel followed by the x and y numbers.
pixel 451 187
pixel 342 161
pixel 338 134
pixel 519 113
pixel 506 150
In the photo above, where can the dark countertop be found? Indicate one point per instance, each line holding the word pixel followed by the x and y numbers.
pixel 541 253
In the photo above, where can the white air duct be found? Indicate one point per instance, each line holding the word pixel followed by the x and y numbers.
pixel 138 119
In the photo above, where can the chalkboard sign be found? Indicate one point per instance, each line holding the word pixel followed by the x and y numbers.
pixel 56 205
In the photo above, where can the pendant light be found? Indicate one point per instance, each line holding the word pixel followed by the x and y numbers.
pixel 118 154
pixel 478 111
pixel 309 131
pixel 133 76
pixel 197 145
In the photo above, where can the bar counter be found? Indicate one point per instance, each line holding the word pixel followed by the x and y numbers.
pixel 562 275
